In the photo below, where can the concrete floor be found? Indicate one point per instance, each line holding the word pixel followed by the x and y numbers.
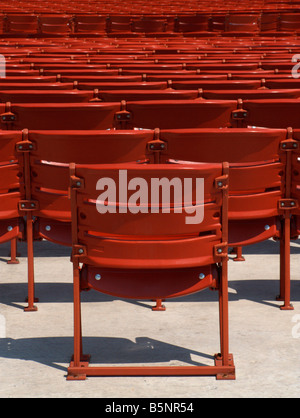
pixel 35 347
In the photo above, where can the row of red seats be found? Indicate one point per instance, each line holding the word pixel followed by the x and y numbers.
pixel 189 7
pixel 89 24
pixel 260 194
pixel 166 114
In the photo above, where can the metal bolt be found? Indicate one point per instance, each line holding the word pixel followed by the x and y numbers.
pixel 78 184
pixel 162 146
pixel 9 228
pixel 20 146
pixel 97 276
pixel 219 250
pixel 201 276
pixel 48 228
pixel 220 184
pixel 283 145
pixel 282 204
pixel 80 251
pixel 23 205
pixel 151 146
pixel 292 203
pixel 295 145
pixel 32 205
pixel 3 117
pixel 267 227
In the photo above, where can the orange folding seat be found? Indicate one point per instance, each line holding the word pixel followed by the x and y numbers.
pixel 71 116
pixel 47 207
pixel 258 187
pixel 168 114
pixel 283 83
pixel 242 22
pixel 269 21
pixel 218 22
pixel 250 94
pixel 120 23
pixel 28 79
pixel 192 23
pixel 112 78
pixel 217 84
pixel 146 25
pixel 55 24
pixel 20 23
pixel 89 24
pixel 36 86
pixel 136 253
pixel 185 77
pixel 270 113
pixel 46 96
pixel 217 67
pixel 11 192
pixel 289 22
pixel 134 85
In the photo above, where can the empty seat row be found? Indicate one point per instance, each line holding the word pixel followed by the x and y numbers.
pixel 87 24
pixel 258 169
pixel 165 114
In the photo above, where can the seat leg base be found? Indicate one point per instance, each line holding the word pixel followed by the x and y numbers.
pixel 220 371
pixel 30 309
pixel 288 307
pixel 84 363
pixel 159 306
pixel 15 261
pixel 218 363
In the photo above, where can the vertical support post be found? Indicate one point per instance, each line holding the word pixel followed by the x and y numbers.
pixel 286 205
pixel 13 252
pixel 30 264
pixel 28 206
pixel 224 358
pixel 79 360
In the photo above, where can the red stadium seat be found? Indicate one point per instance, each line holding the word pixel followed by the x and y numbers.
pixel 47 187
pixel 11 192
pixel 54 24
pixel 20 23
pixel 279 113
pixel 89 24
pixel 168 114
pixel 289 22
pixel 36 116
pixel 250 94
pixel 186 23
pixel 147 261
pixel 242 23
pixel 256 188
pixel 46 96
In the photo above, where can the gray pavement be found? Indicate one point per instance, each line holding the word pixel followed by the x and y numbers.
pixel 35 347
